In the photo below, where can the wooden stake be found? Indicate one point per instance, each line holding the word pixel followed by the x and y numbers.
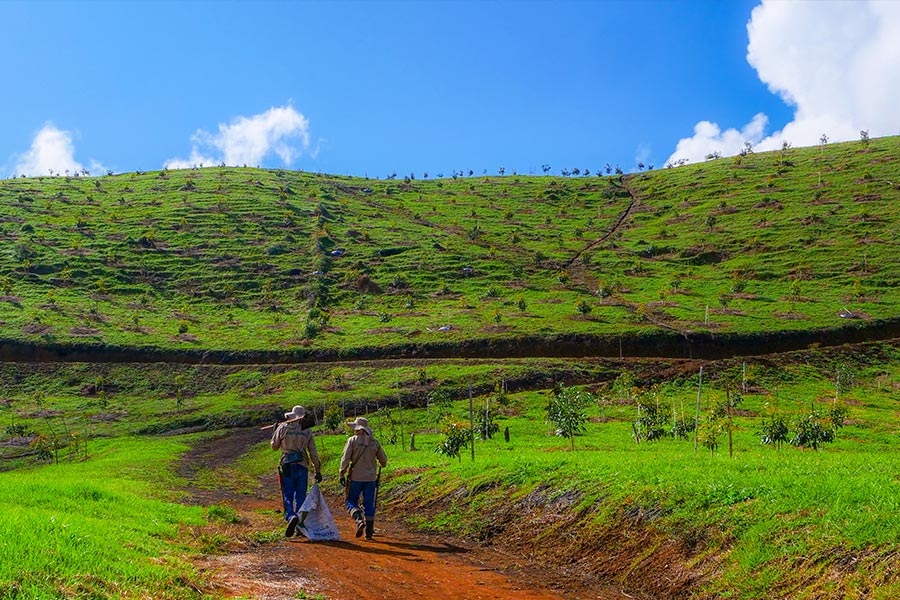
pixel 273 425
pixel 472 422
pixel 744 377
pixel 402 439
pixel 697 418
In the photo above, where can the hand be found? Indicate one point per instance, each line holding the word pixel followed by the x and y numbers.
pixel 343 479
pixel 318 477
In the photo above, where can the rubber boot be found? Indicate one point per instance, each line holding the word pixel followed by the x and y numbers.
pixel 370 528
pixel 360 521
pixel 291 526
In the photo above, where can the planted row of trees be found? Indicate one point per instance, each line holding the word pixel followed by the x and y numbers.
pixel 607 169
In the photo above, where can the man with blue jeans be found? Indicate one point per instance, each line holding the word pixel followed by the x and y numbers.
pixel 298 452
pixel 359 466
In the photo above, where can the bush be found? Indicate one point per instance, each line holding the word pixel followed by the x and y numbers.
pixel 441 400
pixel 652 422
pixel 484 424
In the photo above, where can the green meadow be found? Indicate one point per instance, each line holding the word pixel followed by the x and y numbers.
pixel 198 277
pixel 99 527
pixel 758 522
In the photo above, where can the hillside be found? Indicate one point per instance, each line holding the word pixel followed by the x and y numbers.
pixel 238 259
pixel 488 292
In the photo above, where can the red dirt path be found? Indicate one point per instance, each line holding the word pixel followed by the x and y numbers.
pixel 398 563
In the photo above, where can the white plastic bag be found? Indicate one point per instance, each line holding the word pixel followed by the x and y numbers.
pixel 319 524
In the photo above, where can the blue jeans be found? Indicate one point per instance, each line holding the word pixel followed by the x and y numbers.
pixel 294 479
pixel 367 489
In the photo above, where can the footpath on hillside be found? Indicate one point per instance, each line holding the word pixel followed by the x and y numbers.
pixel 398 563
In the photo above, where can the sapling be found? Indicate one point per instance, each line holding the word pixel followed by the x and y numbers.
pixel 456 437
pixel 651 420
pixel 774 429
pixel 811 430
pixel 566 410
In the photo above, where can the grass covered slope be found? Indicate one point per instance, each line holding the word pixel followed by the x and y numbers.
pixel 248 259
pixel 99 528
pixel 656 518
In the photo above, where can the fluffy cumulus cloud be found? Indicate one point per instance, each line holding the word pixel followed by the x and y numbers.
pixel 52 151
pixel 280 131
pixel 709 139
pixel 836 63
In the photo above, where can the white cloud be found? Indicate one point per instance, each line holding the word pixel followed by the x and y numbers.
pixel 836 63
pixel 249 140
pixel 709 139
pixel 51 150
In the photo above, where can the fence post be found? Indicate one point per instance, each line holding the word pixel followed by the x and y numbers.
pixel 471 422
pixel 697 417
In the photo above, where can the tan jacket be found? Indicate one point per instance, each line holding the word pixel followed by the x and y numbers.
pixel 360 455
pixel 297 445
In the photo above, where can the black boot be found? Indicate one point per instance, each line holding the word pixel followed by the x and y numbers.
pixel 360 521
pixel 370 528
pixel 291 526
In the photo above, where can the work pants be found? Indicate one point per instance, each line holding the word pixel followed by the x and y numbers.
pixel 367 490
pixel 294 479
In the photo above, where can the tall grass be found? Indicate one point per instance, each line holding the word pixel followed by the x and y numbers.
pixel 104 528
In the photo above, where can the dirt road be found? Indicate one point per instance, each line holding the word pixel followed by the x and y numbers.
pixel 398 563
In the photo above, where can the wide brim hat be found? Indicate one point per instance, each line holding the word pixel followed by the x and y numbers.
pixel 361 423
pixel 298 412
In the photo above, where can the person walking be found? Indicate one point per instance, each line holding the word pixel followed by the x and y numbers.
pixel 359 473
pixel 298 453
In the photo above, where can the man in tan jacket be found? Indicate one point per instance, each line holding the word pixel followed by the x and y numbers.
pixel 358 466
pixel 298 452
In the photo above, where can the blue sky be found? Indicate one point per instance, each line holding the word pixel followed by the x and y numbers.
pixel 371 88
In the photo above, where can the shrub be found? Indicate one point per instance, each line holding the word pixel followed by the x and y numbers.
pixel 441 400
pixel 485 426
pixel 652 422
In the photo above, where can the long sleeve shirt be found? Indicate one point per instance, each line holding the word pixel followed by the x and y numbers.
pixel 361 453
pixel 297 445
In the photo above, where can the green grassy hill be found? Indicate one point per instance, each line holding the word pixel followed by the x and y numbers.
pixel 753 253
pixel 245 259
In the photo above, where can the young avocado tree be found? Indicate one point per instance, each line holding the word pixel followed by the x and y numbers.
pixel 455 437
pixel 811 430
pixel 485 427
pixel 774 429
pixel 730 382
pixel 440 401
pixel 652 421
pixel 567 411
